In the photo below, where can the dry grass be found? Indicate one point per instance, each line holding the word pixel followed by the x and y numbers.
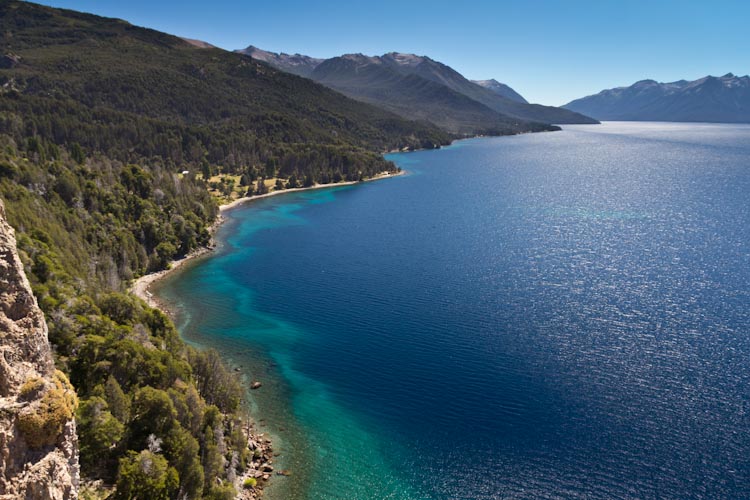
pixel 217 189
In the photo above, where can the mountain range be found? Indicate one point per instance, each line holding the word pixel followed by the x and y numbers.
pixel 418 87
pixel 709 99
pixel 132 92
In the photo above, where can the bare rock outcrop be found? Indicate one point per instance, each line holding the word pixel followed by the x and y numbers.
pixel 38 442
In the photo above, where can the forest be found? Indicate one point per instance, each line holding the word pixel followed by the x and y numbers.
pixel 86 226
pixel 132 93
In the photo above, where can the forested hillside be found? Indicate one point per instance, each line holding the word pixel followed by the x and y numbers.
pixel 134 93
pixel 85 226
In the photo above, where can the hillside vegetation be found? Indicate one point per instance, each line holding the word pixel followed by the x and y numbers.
pixel 133 93
pixel 85 226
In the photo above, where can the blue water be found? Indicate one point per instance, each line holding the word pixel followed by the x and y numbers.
pixel 557 315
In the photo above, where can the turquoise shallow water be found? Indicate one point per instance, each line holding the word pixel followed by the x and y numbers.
pixel 543 316
pixel 326 449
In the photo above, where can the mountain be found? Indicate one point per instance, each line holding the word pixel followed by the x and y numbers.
pixel 131 92
pixel 438 72
pixel 501 89
pixel 200 44
pixel 709 99
pixel 296 64
pixel 382 82
pixel 419 87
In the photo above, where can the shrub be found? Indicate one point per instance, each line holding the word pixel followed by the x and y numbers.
pixel 99 432
pixel 250 482
pixel 146 475
pixel 41 423
pixel 31 388
pixel 221 492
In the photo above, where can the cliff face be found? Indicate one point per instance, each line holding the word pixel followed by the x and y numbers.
pixel 38 443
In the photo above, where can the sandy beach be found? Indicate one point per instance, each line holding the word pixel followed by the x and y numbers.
pixel 240 201
pixel 140 287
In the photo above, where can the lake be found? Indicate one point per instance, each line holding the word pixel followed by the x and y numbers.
pixel 554 315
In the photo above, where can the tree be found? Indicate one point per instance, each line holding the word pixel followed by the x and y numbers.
pixel 137 180
pixel 213 461
pixel 215 383
pixel 146 475
pixel 118 402
pixel 163 253
pixel 153 413
pixel 99 433
pixel 183 451
pixel 76 152
pixel 67 188
pixel 206 171
pixel 261 189
pixel 121 308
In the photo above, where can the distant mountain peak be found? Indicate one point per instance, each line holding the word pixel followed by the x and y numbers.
pixel 403 59
pixel 501 89
pixel 358 57
pixel 421 88
pixel 200 44
pixel 708 99
pixel 297 64
pixel 255 52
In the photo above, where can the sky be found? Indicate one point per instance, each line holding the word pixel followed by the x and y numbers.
pixel 551 51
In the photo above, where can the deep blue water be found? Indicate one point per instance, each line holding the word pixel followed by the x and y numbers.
pixel 558 315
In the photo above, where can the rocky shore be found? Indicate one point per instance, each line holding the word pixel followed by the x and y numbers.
pixel 260 470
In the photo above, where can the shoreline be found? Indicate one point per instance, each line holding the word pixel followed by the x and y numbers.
pixel 261 470
pixel 246 199
pixel 141 285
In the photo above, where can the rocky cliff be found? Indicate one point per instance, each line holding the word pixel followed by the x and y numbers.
pixel 38 444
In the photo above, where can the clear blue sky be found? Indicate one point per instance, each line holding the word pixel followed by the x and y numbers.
pixel 551 51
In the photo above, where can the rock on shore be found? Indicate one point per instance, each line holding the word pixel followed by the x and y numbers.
pixel 259 470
